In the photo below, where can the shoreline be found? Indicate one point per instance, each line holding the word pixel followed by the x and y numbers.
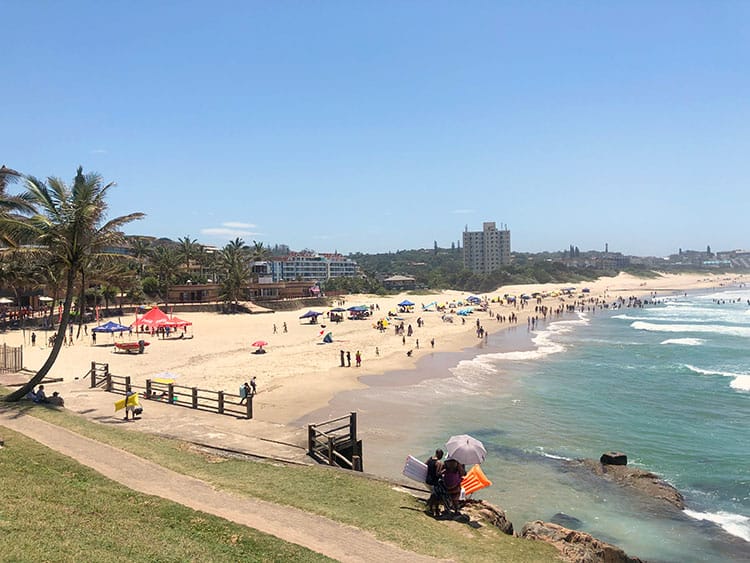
pixel 299 375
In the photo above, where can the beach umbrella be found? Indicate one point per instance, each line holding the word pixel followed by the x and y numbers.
pixel 45 298
pixel 259 343
pixel 310 314
pixel 406 303
pixel 5 301
pixel 338 310
pixel 465 449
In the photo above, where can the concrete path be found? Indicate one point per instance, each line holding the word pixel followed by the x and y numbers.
pixel 338 541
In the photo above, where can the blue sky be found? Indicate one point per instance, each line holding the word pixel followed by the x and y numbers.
pixel 377 126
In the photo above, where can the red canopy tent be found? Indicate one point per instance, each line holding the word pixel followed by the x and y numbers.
pixel 174 322
pixel 153 319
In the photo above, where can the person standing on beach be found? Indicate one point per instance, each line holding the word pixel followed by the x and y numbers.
pixel 246 391
pixel 284 327
pixel 33 338
pixel 348 359
pixel 274 328
pixel 253 387
pixel 432 342
pixel 342 359
pixel 358 358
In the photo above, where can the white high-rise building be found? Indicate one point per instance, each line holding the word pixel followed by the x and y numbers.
pixel 486 250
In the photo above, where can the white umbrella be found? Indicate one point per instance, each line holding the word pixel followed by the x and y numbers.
pixel 5 301
pixel 45 298
pixel 465 449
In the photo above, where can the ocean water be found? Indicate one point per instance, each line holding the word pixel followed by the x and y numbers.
pixel 668 384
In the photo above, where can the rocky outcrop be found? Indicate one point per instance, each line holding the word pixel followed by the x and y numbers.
pixel 486 512
pixel 575 546
pixel 644 481
pixel 613 458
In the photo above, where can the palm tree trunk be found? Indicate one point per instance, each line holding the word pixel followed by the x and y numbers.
pixel 81 303
pixel 42 373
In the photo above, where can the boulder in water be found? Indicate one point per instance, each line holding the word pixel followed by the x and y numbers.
pixel 613 458
pixel 574 546
pixel 566 520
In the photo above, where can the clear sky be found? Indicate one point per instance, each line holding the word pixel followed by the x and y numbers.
pixel 377 126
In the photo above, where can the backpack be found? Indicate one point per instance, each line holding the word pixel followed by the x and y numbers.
pixel 432 476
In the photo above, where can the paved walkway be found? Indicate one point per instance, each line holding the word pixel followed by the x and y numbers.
pixel 338 541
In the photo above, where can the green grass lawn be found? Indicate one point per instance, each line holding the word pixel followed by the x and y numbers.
pixel 346 497
pixel 54 509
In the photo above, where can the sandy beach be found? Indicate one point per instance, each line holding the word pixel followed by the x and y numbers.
pixel 299 373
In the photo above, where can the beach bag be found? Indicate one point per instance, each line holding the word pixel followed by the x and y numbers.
pixel 137 410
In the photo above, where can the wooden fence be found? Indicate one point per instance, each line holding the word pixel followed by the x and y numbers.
pixel 11 358
pixel 334 442
pixel 219 402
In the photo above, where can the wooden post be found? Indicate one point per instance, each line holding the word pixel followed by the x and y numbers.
pixel 195 397
pixel 356 463
pixel 148 388
pixel 108 379
pixel 127 384
pixel 330 450
pixel 249 404
pixel 310 439
pixel 92 373
pixel 353 427
pixel 170 393
pixel 221 402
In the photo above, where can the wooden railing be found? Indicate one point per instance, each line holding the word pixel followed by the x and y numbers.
pixel 219 402
pixel 334 442
pixel 11 358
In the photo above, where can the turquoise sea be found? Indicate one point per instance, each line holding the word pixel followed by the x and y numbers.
pixel 668 384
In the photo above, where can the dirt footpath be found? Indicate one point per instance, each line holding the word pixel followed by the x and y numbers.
pixel 338 541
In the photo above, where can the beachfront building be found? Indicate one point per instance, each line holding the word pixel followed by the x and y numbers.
pixel 312 266
pixel 486 250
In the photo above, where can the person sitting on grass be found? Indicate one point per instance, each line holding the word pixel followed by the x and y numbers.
pixel 40 396
pixel 56 400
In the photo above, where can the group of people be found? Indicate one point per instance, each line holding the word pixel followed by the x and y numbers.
pixel 444 478
pixel 346 358
pixel 248 389
pixel 40 396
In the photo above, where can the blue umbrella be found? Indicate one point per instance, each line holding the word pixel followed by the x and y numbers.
pixel 110 327
pixel 406 303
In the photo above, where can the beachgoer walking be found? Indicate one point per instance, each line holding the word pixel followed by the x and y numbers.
pixel 93 338
pixel 274 328
pixel 245 392
pixel 432 342
pixel 253 385
pixel 417 343
pixel 284 326
pixel 358 358
pixel 348 359
pixel 33 338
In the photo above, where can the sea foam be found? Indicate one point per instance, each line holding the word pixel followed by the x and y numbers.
pixel 741 331
pixel 685 341
pixel 740 381
pixel 735 524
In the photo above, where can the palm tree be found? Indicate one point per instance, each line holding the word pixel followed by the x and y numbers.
pixel 70 224
pixel 141 250
pixel 165 261
pixel 234 262
pixel 189 249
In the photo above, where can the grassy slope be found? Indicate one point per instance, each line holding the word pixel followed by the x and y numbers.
pixel 342 496
pixel 53 509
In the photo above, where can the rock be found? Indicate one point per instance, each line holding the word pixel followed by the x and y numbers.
pixel 566 520
pixel 482 510
pixel 613 458
pixel 644 481
pixel 575 546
